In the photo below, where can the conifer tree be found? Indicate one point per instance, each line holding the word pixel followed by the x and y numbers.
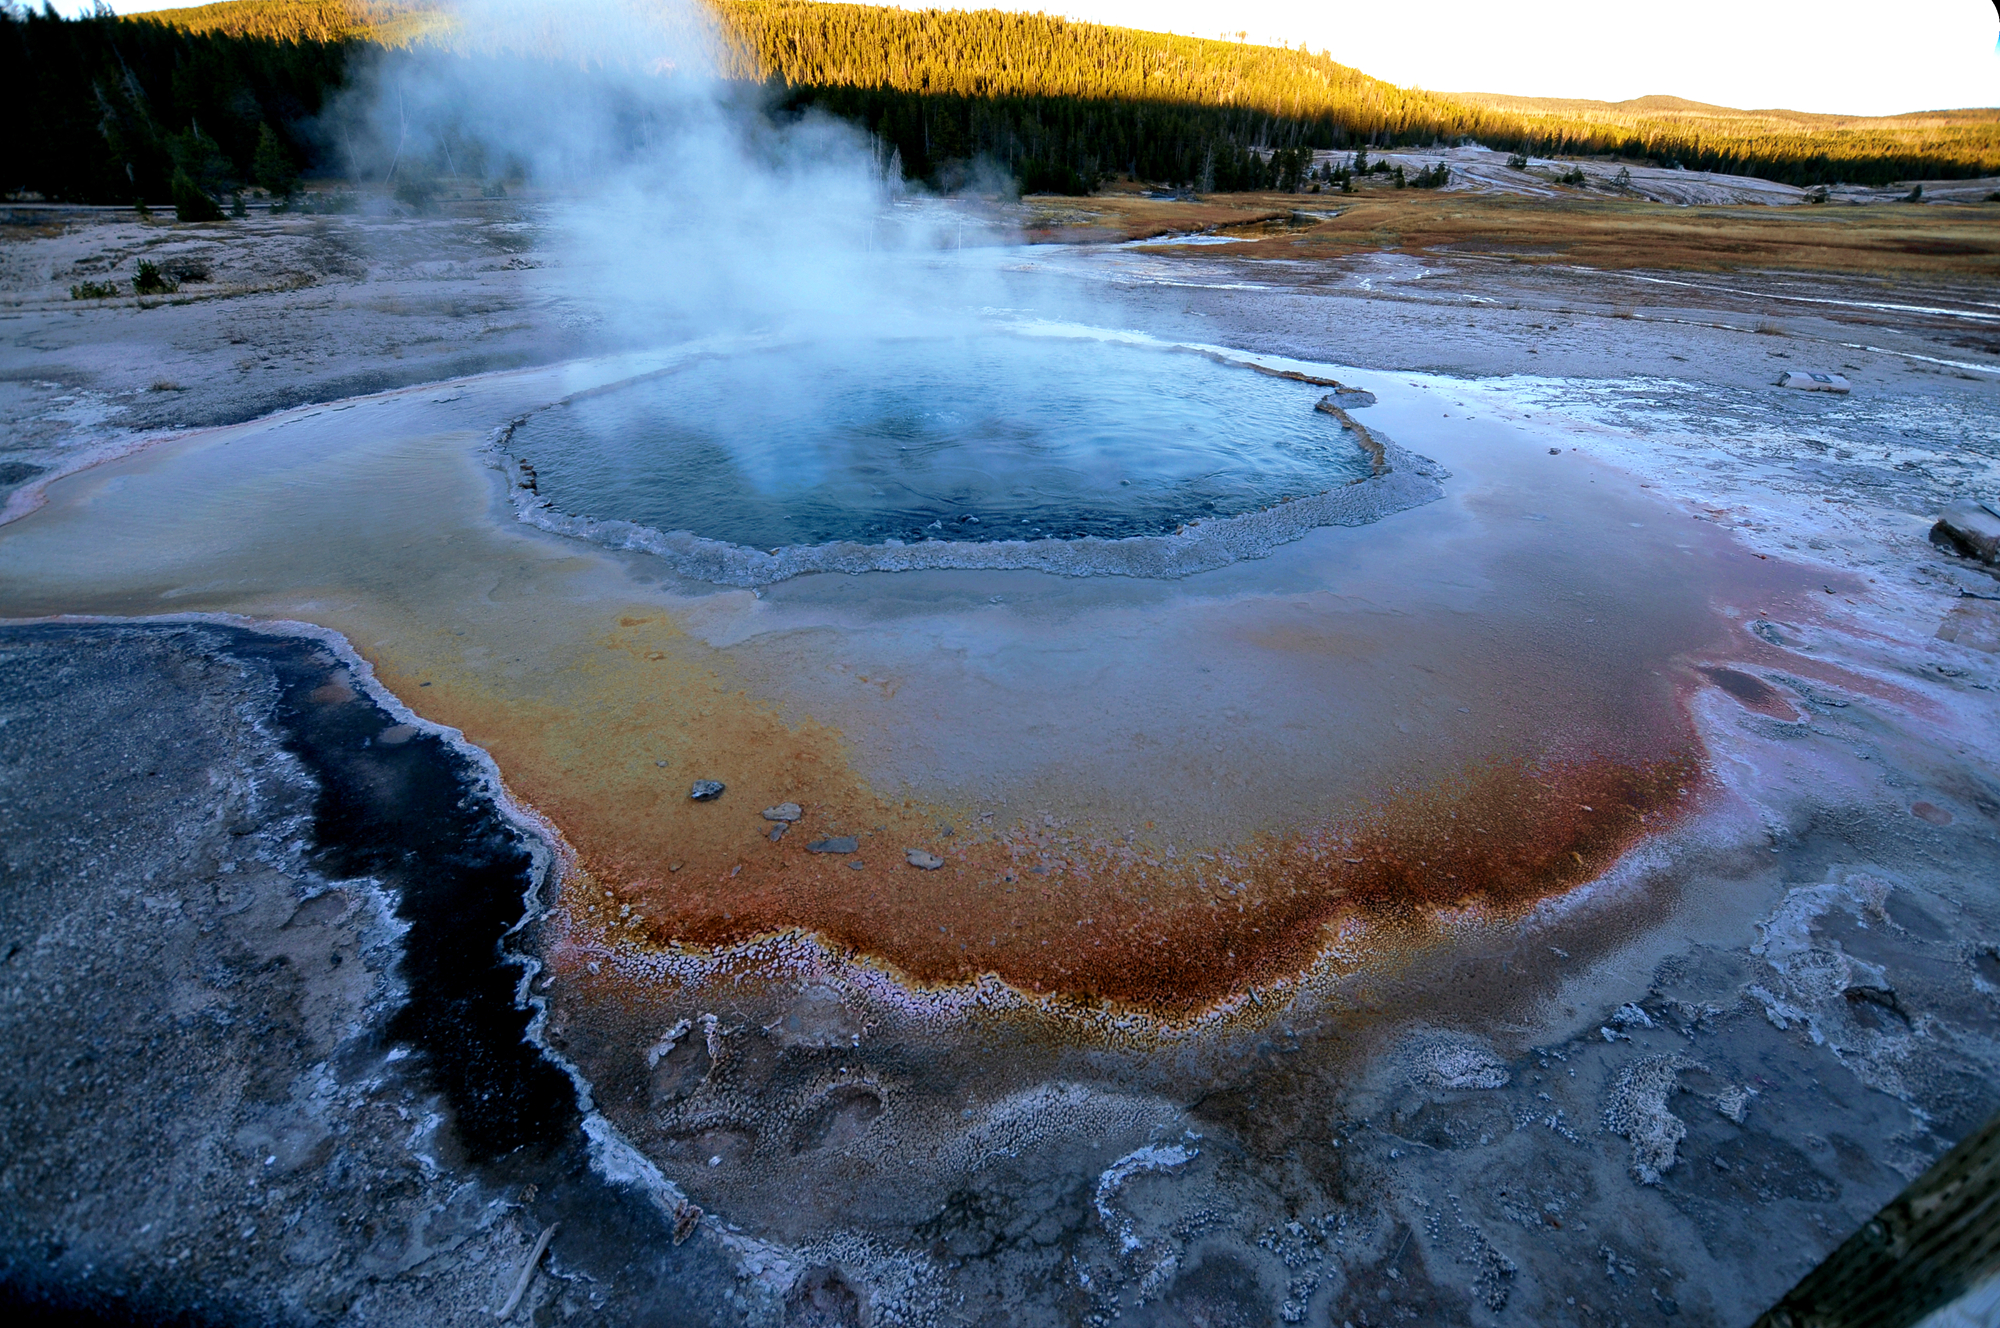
pixel 272 167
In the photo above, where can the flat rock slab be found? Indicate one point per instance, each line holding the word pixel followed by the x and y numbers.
pixel 1347 398
pixel 1973 526
pixel 1807 381
pixel 836 844
pixel 1974 623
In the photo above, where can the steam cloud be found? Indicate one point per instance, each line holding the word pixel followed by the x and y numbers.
pixel 678 205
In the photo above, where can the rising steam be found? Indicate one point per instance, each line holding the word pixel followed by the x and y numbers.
pixel 678 204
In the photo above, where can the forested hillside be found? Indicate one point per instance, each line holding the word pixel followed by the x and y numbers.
pixel 387 22
pixel 108 109
pixel 1090 96
pixel 104 110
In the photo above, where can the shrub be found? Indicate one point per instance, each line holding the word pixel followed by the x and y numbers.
pixel 93 290
pixel 201 159
pixel 1915 195
pixel 1434 176
pixel 417 193
pixel 1517 161
pixel 190 203
pixel 335 202
pixel 187 267
pixel 1574 175
pixel 151 281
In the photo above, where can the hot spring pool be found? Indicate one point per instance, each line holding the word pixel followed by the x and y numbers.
pixel 974 439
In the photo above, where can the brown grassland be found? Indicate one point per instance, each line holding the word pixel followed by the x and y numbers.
pixel 1932 241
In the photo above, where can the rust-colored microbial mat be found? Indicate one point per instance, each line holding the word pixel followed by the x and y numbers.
pixel 1068 914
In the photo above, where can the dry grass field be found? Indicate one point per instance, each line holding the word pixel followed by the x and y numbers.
pixel 1960 242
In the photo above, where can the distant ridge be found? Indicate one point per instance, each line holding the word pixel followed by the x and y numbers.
pixel 1657 104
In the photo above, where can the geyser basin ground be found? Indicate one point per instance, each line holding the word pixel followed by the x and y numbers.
pixel 1339 1153
pixel 1371 750
pixel 1065 450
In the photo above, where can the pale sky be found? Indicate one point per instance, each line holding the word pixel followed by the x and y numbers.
pixel 1861 57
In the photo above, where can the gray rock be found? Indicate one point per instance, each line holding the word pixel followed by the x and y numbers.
pixel 927 861
pixel 1450 1061
pixel 836 844
pixel 1973 526
pixel 784 811
pixel 1348 398
pixel 1807 381
pixel 706 790
pixel 778 831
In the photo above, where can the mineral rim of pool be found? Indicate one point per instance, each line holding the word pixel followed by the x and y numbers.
pixel 970 439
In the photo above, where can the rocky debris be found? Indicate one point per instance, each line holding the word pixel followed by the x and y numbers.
pixel 1637 1109
pixel 1807 381
pixel 784 811
pixel 660 1050
pixel 1440 1062
pixel 712 1038
pixel 1347 398
pixel 778 831
pixel 706 790
pixel 534 1260
pixel 1974 624
pixel 212 1108
pixel 1973 526
pixel 686 1218
pixel 1732 1103
pixel 1168 1158
pixel 822 1298
pixel 834 844
pixel 923 859
pixel 1629 1015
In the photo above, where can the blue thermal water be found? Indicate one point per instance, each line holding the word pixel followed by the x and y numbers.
pixel 977 438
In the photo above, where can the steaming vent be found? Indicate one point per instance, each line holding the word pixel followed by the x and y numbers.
pixel 1074 454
